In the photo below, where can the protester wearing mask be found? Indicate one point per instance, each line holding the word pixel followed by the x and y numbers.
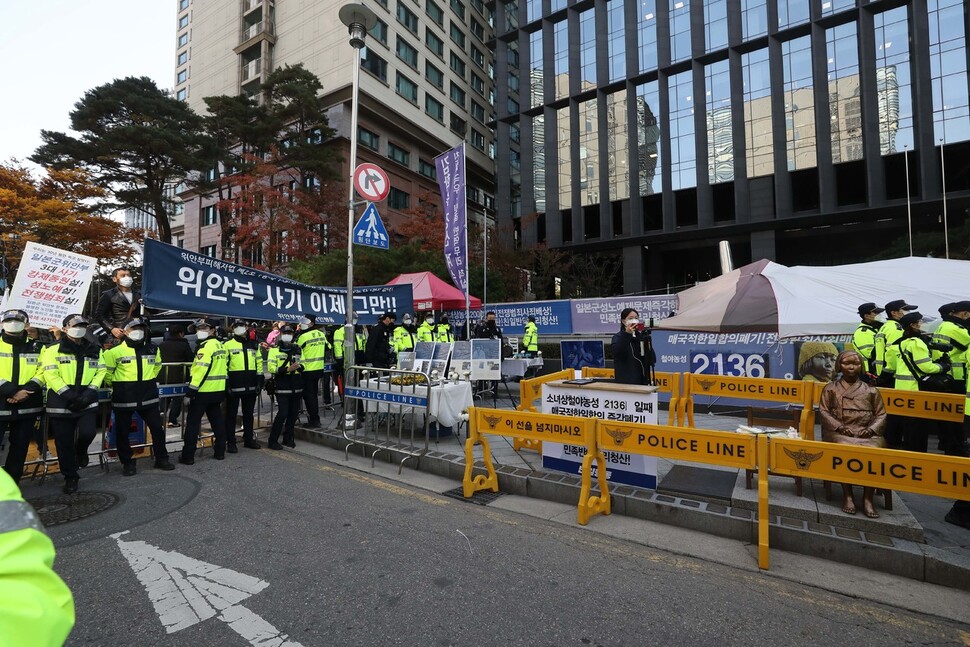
pixel 244 363
pixel 21 387
pixel 379 341
pixel 132 371
pixel 283 365
pixel 488 329
pixel 73 371
pixel 628 364
pixel 426 331
pixel 207 391
pixel 117 305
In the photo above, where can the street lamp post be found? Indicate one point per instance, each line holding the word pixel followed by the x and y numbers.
pixel 359 20
pixel 909 212
pixel 946 232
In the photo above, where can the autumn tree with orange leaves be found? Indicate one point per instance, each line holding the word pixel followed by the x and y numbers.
pixel 55 210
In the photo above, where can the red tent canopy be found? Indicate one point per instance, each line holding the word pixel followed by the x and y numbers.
pixel 431 293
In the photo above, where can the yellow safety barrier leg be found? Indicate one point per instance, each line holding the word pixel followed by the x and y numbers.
pixel 763 519
pixel 471 484
pixel 591 505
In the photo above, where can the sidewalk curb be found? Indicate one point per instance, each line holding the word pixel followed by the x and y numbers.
pixel 870 550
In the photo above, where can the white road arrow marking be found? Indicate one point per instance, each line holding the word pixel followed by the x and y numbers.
pixel 186 591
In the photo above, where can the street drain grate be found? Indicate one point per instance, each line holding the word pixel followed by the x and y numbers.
pixel 62 508
pixel 481 497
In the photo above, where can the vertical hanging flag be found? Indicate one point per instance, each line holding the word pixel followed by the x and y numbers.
pixel 451 181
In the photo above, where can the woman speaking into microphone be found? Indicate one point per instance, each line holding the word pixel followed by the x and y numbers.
pixel 629 366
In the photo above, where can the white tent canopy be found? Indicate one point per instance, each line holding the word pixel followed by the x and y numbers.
pixel 817 300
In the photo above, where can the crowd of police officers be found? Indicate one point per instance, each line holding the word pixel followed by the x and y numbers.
pixel 229 369
pixel 898 354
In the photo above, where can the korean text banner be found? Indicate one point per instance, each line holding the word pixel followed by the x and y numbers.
pixel 602 316
pixel 178 279
pixel 451 182
pixel 51 284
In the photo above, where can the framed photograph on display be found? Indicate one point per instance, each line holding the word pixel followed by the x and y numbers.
pixel 423 354
pixel 486 359
pixel 439 359
pixel 405 361
pixel 577 354
pixel 461 359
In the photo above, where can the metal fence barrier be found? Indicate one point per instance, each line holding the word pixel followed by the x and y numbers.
pixel 387 410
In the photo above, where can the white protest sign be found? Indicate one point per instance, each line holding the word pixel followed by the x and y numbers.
pixel 51 283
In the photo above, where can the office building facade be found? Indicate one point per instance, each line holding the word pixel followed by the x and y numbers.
pixel 425 86
pixel 652 129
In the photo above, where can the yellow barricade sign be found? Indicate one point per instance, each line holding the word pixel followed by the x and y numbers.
pixel 529 392
pixel 536 427
pixel 749 388
pixel 678 443
pixel 923 404
pixel 943 476
pixel 665 383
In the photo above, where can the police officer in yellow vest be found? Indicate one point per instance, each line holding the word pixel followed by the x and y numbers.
pixel 360 345
pixel 530 339
pixel 36 607
pixel 244 365
pixel 284 365
pixel 864 337
pixel 890 331
pixel 132 371
pixel 953 332
pixel 426 331
pixel 915 361
pixel 21 388
pixel 403 339
pixel 339 335
pixel 314 348
pixel 443 331
pixel 207 391
pixel 73 370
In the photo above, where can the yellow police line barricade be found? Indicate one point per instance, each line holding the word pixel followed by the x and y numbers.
pixel 749 388
pixel 943 476
pixel 666 383
pixel 537 427
pixel 946 407
pixel 529 392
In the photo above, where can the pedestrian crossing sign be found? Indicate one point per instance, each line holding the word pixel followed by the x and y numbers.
pixel 370 230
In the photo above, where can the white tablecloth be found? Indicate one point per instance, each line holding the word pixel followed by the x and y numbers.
pixel 518 367
pixel 445 405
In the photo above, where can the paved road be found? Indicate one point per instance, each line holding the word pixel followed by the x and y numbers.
pixel 337 557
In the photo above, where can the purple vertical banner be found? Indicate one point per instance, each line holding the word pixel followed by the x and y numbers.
pixel 451 181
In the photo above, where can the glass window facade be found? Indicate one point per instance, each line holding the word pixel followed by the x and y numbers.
pixel 792 12
pixel 407 88
pixel 720 135
pixel 435 12
pixel 561 60
pixel 616 39
pixel 618 144
pixel 680 30
pixel 836 6
pixel 564 138
pixel 536 73
pixel 434 42
pixel 845 97
pixel 758 146
pixel 407 53
pixel 715 24
pixel 539 162
pixel 589 154
pixel 948 71
pixel 754 18
pixel 893 81
pixel 683 158
pixel 647 34
pixel 799 103
pixel 587 50
pixel 648 138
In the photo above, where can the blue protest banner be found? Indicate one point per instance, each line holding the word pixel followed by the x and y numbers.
pixel 552 317
pixel 450 167
pixel 177 279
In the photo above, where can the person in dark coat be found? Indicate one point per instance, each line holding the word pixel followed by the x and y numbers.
pixel 628 364
pixel 175 349
pixel 379 341
pixel 117 305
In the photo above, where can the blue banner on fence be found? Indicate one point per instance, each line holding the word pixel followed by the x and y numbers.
pixel 552 317
pixel 177 279
pixel 451 181
pixel 602 316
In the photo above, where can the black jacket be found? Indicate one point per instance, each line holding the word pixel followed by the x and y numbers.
pixel 114 310
pixel 378 350
pixel 484 331
pixel 174 349
pixel 628 364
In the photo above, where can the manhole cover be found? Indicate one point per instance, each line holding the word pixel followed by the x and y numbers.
pixel 62 508
pixel 481 497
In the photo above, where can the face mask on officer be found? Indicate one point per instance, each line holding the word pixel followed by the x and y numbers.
pixel 14 327
pixel 202 334
pixel 136 335
pixel 239 330
pixel 77 332
pixel 406 321
pixel 125 281
pixel 286 338
pixel 429 320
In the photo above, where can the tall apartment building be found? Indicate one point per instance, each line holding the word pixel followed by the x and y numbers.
pixel 652 129
pixel 425 86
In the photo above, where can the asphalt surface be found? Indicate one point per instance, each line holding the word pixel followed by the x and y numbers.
pixel 349 558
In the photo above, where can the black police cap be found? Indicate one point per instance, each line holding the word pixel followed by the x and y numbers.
pixel 899 304
pixel 868 307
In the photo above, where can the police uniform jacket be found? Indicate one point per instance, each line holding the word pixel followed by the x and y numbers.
pixel 864 340
pixel 244 363
pixel 132 372
pixel 72 368
pixel 339 336
pixel 20 368
pixel 426 332
pixel 954 333
pixel 313 345
pixel 207 376
pixel 280 358
pixel 917 352
pixel 890 332
pixel 403 339
pixel 443 333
